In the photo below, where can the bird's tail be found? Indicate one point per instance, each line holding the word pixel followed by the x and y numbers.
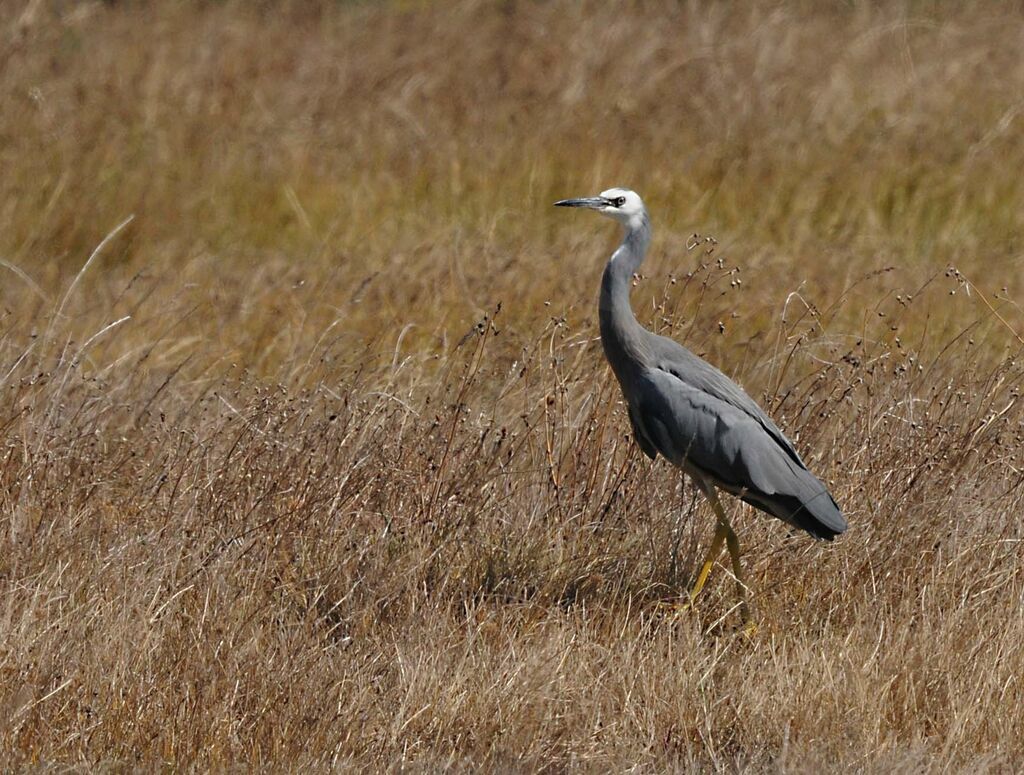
pixel 811 508
pixel 820 516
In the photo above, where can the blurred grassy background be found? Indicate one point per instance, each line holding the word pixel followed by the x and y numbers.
pixel 406 156
pixel 279 489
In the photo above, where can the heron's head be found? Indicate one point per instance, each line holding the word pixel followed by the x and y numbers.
pixel 621 204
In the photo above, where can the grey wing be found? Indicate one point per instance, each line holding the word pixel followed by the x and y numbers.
pixel 672 357
pixel 723 442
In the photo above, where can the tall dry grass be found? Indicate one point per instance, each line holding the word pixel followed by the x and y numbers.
pixel 316 462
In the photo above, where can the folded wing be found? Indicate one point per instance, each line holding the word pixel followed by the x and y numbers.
pixel 740 450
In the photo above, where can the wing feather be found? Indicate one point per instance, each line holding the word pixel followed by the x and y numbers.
pixel 694 427
pixel 672 357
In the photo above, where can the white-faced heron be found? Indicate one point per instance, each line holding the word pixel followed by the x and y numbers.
pixel 692 414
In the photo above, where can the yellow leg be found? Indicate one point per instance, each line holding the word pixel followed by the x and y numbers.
pixel 709 561
pixel 724 532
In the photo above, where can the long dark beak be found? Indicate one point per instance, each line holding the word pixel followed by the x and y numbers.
pixel 593 202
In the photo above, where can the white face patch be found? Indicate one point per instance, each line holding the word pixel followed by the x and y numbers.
pixel 630 211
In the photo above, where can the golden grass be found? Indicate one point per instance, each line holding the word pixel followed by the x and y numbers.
pixel 317 462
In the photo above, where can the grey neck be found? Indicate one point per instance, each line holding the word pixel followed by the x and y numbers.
pixel 622 336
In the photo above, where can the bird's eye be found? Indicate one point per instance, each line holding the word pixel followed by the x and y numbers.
pixel 619 201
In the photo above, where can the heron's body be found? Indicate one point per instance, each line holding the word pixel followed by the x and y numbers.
pixel 686 410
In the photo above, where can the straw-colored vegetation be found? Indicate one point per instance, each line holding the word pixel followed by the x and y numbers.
pixel 317 462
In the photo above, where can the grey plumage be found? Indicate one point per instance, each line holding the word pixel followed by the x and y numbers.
pixel 686 410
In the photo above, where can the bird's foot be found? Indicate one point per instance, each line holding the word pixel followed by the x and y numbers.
pixel 749 630
pixel 673 608
pixel 744 632
pixel 746 628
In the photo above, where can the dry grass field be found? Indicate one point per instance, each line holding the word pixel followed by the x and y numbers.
pixel 316 461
